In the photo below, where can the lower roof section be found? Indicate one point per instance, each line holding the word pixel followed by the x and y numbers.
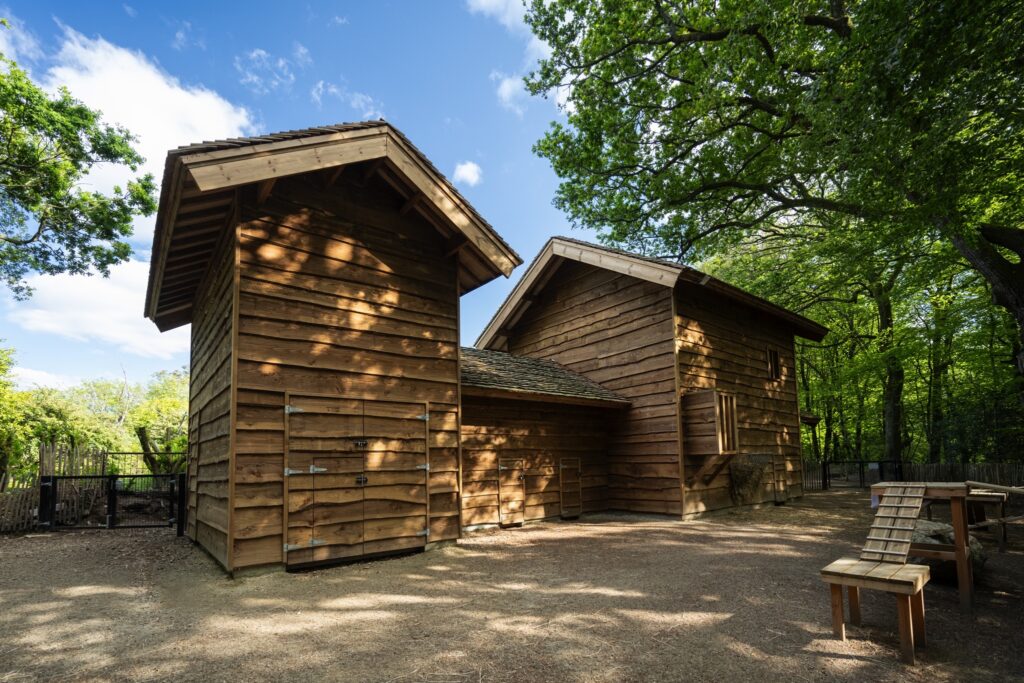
pixel 502 375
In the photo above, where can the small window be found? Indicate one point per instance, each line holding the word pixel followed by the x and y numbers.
pixel 774 365
pixel 728 427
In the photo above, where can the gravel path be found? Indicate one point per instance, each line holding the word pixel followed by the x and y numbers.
pixel 609 598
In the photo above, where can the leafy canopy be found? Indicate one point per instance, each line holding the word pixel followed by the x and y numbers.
pixel 692 123
pixel 49 222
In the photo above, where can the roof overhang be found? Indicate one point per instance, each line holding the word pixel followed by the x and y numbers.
pixel 541 397
pixel 199 195
pixel 558 250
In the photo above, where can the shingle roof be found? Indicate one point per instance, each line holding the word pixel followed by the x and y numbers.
pixel 520 374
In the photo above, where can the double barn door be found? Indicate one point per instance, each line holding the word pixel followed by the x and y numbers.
pixel 515 491
pixel 356 477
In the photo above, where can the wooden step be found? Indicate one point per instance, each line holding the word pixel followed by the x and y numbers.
pixel 904 579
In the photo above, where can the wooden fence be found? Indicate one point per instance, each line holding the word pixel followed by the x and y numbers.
pixel 863 473
pixel 1001 473
pixel 19 502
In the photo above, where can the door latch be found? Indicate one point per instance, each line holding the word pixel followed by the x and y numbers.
pixel 360 443
pixel 361 480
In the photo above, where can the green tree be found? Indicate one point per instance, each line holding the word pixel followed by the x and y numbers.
pixel 692 124
pixel 160 421
pixel 48 222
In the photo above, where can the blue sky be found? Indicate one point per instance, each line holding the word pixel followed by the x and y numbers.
pixel 448 74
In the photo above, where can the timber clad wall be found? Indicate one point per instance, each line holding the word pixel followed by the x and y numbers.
pixel 210 406
pixel 723 345
pixel 541 435
pixel 363 310
pixel 616 330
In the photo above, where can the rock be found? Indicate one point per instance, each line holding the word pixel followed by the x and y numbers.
pixel 939 533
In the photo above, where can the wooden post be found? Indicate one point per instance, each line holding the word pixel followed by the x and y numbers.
pixel 961 545
pixel 854 594
pixel 838 627
pixel 917 615
pixel 906 629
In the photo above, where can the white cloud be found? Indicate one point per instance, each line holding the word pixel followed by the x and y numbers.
pixel 366 105
pixel 130 11
pixel 28 378
pixel 468 172
pixel 97 309
pixel 262 72
pixel 155 106
pixel 511 93
pixel 300 53
pixel 338 20
pixel 508 12
pixel 17 43
pixel 183 37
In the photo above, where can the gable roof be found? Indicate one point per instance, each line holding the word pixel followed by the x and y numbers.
pixel 197 201
pixel 659 271
pixel 496 373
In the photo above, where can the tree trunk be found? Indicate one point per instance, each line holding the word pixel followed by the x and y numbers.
pixel 892 387
pixel 147 450
pixel 1004 277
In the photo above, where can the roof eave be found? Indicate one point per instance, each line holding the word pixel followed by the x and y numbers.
pixel 223 169
pixel 542 396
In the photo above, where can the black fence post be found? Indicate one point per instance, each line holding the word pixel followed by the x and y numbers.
pixel 863 478
pixel 47 501
pixel 182 510
pixel 112 501
pixel 824 475
pixel 881 471
pixel 899 470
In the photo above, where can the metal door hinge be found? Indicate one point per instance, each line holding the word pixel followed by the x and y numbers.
pixel 313 542
pixel 424 417
pixel 313 469
pixel 425 532
pixel 424 466
pixel 289 409
pixel 289 472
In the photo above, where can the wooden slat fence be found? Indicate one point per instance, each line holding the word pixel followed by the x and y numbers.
pixel 1001 473
pixel 19 502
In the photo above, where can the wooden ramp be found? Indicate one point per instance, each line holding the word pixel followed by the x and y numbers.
pixel 893 527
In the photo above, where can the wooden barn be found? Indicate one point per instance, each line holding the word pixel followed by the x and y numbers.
pixel 321 271
pixel 708 370
pixel 333 415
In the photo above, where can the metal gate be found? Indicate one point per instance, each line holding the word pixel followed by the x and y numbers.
pixel 113 501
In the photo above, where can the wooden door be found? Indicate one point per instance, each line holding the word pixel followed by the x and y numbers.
pixel 511 492
pixel 781 477
pixel 323 482
pixel 395 467
pixel 570 487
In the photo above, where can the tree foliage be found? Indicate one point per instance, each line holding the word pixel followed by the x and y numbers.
pixel 110 415
pixel 849 159
pixel 49 221
pixel 691 124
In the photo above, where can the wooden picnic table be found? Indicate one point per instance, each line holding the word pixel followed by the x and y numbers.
pixel 960 551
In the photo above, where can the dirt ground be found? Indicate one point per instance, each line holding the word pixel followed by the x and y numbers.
pixel 608 598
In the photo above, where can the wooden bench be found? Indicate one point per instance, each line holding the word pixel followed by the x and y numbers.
pixel 882 566
pixel 905 581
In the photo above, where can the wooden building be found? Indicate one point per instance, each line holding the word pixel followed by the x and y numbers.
pixel 332 414
pixel 708 369
pixel 321 271
pixel 534 440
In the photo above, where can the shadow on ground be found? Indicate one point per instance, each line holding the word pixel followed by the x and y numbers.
pixel 608 598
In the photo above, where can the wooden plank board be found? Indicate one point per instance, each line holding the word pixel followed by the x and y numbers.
pixel 893 527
